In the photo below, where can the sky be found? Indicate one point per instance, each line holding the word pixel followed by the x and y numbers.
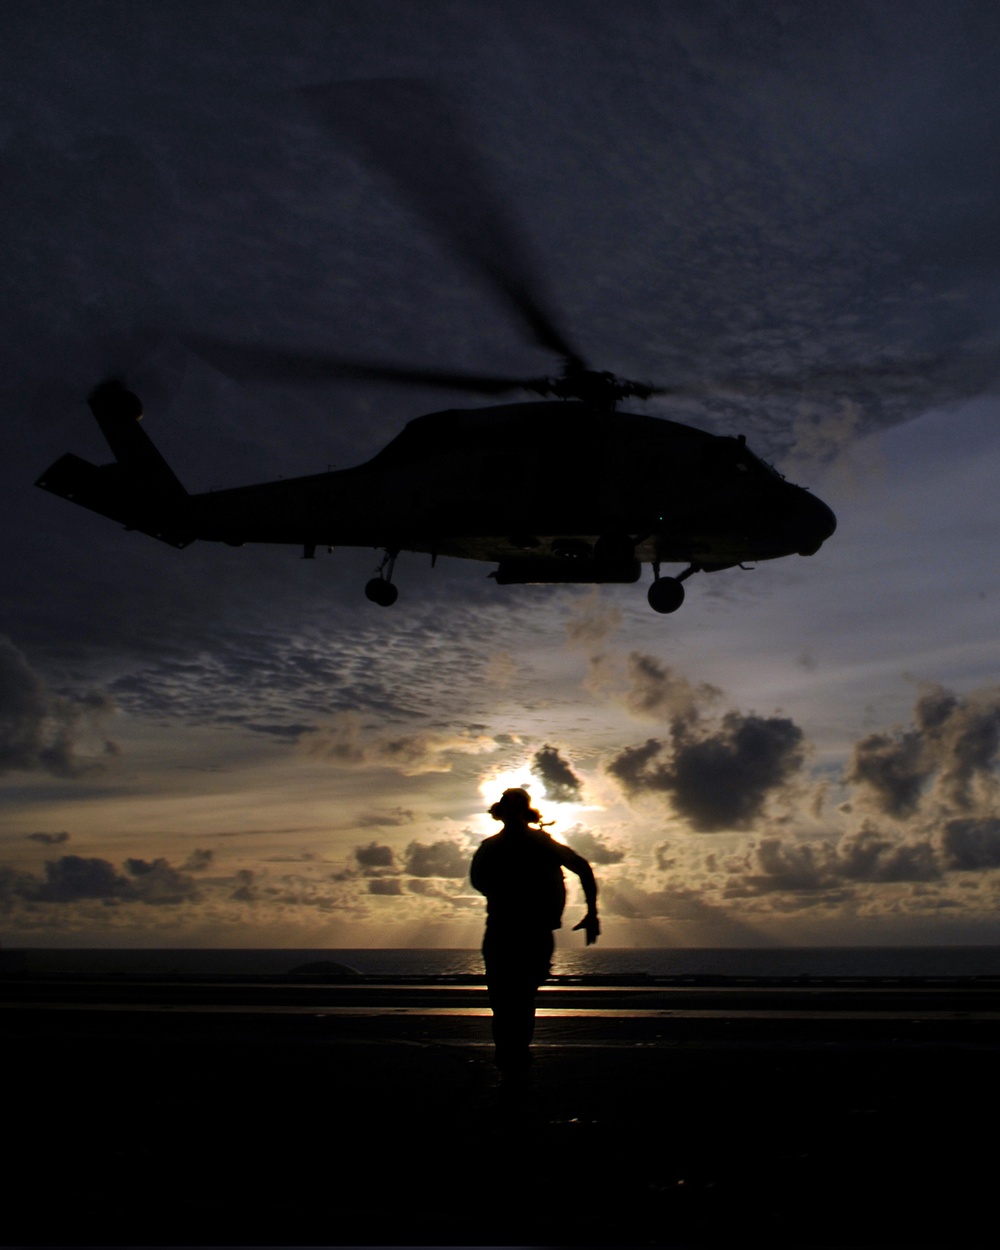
pixel 233 747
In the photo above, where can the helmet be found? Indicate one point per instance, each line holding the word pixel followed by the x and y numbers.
pixel 514 805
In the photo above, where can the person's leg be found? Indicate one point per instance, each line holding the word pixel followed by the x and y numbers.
pixel 516 964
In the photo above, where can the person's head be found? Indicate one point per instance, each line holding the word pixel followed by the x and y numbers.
pixel 514 807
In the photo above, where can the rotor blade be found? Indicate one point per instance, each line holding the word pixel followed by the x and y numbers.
pixel 266 364
pixel 409 128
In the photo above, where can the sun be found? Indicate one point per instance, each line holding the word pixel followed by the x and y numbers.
pixel 562 815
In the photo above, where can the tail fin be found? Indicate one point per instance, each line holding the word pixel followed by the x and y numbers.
pixel 140 490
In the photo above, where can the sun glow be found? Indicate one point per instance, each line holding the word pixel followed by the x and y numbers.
pixel 562 815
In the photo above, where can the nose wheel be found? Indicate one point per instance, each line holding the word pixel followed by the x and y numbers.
pixel 380 589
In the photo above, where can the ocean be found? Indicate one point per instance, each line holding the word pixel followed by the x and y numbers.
pixel 817 961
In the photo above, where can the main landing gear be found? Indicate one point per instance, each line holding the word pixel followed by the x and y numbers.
pixel 380 589
pixel 667 593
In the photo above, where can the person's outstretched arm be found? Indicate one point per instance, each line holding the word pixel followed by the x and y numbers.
pixel 576 863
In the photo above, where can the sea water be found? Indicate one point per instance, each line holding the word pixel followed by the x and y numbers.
pixel 840 961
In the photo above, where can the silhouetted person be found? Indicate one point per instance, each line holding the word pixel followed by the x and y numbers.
pixel 520 870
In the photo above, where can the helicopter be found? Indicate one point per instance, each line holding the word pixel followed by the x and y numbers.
pixel 563 488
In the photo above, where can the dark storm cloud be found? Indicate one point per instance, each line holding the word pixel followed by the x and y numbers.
pixel 948 755
pixel 971 843
pixel 867 855
pixel 49 839
pixel 443 858
pixel 717 776
pixel 75 877
pixel 559 783
pixel 776 865
pixel 40 730
pixel 376 860
pixel 158 882
pixel 894 768
pixel 593 846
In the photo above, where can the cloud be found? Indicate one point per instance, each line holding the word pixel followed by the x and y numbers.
pixel 947 757
pixel 427 888
pixel 500 669
pixel 624 898
pixel 824 434
pixel 893 768
pixel 593 624
pixel 246 891
pixel 592 846
pixel 384 819
pixel 590 630
pixel 16 886
pixel 971 843
pixel 775 865
pixel 443 858
pixel 385 885
pixel 867 855
pixel 375 860
pixel 656 692
pixel 39 729
pixel 346 743
pixel 49 839
pixel 198 861
pixel 560 784
pixel 74 877
pixel 158 882
pixel 717 776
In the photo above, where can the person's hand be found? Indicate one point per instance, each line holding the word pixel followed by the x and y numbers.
pixel 592 925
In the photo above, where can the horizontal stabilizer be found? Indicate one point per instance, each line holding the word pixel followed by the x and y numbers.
pixel 114 492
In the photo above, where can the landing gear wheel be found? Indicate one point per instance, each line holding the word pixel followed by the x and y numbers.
pixel 665 595
pixel 379 591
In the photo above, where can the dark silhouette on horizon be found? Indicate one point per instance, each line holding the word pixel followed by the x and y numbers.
pixel 520 870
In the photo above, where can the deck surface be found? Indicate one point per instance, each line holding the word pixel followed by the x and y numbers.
pixel 219 1112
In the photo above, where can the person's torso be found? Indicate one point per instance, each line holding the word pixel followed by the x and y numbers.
pixel 522 879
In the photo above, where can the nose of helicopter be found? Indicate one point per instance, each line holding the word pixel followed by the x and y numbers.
pixel 815 523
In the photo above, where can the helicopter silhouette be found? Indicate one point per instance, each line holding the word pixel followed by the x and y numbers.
pixel 565 488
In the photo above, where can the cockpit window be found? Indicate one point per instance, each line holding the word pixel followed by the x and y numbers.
pixel 730 457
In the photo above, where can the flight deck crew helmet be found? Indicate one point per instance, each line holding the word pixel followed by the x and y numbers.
pixel 513 805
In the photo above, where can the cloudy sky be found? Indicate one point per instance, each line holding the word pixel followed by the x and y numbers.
pixel 234 747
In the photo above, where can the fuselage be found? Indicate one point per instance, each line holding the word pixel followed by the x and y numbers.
pixel 527 481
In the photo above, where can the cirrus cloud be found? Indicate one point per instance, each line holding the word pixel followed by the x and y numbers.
pixel 345 742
